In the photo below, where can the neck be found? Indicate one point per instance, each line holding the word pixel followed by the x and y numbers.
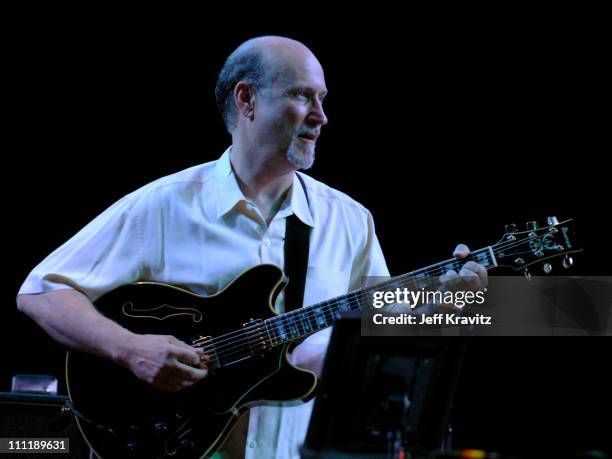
pixel 262 178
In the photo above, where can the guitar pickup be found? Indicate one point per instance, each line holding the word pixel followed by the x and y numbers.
pixel 257 337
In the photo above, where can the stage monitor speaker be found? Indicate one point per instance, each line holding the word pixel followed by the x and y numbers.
pixel 40 416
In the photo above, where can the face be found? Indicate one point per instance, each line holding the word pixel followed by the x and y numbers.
pixel 289 114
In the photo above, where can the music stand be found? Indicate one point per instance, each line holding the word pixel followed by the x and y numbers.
pixel 378 394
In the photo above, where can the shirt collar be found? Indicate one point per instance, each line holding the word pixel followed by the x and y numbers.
pixel 229 193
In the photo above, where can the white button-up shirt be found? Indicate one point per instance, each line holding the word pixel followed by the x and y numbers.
pixel 196 229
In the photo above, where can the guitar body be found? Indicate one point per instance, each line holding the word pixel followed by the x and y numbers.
pixel 128 418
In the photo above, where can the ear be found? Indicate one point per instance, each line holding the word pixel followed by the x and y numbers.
pixel 244 98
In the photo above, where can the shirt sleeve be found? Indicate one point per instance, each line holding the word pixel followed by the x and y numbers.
pixel 102 256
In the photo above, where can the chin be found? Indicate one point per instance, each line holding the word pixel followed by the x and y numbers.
pixel 301 159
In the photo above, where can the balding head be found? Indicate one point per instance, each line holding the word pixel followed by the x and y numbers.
pixel 277 51
pixel 260 62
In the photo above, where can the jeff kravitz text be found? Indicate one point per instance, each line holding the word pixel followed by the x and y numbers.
pixel 453 301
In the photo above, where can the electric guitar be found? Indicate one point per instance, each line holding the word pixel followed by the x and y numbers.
pixel 122 417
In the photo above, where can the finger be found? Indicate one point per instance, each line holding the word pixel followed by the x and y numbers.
pixel 449 279
pixel 473 267
pixel 201 360
pixel 484 277
pixel 199 350
pixel 469 278
pixel 187 373
pixel 172 383
pixel 202 353
pixel 483 274
pixel 187 354
pixel 167 380
pixel 479 270
pixel 204 361
pixel 461 251
pixel 177 342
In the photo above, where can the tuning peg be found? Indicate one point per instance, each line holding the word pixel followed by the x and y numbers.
pixel 532 226
pixel 510 230
pixel 553 221
pixel 567 262
pixel 547 268
pixel 527 274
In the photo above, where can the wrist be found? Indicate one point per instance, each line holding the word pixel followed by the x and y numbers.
pixel 122 349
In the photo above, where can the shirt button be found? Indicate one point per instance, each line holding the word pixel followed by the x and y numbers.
pixel 267 242
pixel 253 444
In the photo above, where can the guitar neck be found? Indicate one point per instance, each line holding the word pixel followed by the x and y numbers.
pixel 302 322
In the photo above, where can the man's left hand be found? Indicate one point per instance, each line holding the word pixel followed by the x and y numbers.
pixel 472 276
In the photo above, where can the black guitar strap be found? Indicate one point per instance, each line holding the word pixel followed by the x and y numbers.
pixel 297 248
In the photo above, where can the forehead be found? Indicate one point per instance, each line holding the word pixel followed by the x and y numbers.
pixel 301 72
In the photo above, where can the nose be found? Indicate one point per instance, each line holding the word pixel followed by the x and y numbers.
pixel 317 115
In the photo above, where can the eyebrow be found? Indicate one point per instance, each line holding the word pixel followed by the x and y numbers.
pixel 309 89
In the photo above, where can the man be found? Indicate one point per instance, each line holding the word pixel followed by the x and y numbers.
pixel 204 226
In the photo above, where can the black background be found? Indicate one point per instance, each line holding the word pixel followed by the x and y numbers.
pixel 445 127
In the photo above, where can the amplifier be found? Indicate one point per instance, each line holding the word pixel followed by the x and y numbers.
pixel 40 416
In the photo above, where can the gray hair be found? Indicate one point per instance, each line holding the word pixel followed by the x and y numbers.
pixel 242 65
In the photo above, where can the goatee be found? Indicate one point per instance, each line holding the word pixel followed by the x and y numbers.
pixel 302 158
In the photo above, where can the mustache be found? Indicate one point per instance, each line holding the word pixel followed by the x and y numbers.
pixel 314 132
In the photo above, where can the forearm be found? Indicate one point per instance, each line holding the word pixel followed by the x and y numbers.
pixel 73 321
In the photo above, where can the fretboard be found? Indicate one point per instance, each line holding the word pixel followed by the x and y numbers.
pixel 311 319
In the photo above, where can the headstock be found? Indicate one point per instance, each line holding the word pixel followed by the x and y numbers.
pixel 521 249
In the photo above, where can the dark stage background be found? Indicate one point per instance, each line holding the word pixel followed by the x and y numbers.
pixel 445 133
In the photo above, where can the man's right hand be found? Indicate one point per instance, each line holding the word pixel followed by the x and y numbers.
pixel 165 362
pixel 71 319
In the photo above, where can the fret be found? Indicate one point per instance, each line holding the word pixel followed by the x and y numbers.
pixel 282 333
pixel 363 300
pixel 420 281
pixel 293 329
pixel 307 324
pixel 319 318
pixel 493 259
pixel 299 324
pixel 296 324
pixel 274 337
pixel 482 257
pixel 270 337
pixel 353 302
pixel 343 304
pixel 368 297
pixel 329 313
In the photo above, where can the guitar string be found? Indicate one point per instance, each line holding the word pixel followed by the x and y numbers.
pixel 441 269
pixel 249 334
pixel 305 316
pixel 285 318
pixel 442 266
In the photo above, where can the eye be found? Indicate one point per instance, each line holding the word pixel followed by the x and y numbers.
pixel 302 94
